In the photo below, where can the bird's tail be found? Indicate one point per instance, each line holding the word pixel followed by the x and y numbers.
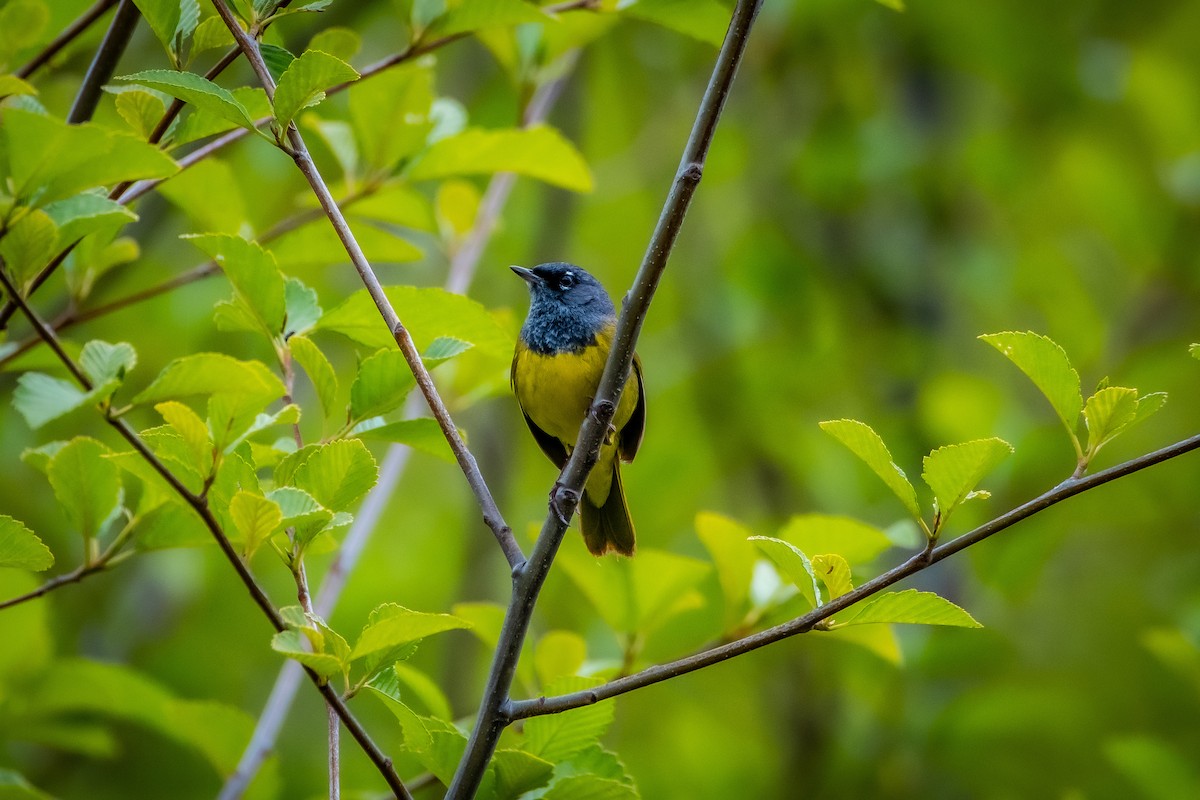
pixel 607 526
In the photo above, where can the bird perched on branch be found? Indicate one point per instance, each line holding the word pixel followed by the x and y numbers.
pixel 556 370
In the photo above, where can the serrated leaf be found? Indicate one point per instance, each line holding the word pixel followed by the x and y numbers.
pixel 865 443
pixel 302 305
pixel 210 34
pixel 908 606
pixel 255 277
pixel 304 515
pixel 421 433
pixel 557 737
pixel 1047 365
pixel 856 541
pixel 337 474
pixel 29 245
pixel 834 572
pixel 256 519
pixel 417 738
pixel 277 59
pixel 163 17
pixel 102 361
pixel 199 124
pixel 538 152
pixel 304 82
pixel 589 787
pixel 20 548
pixel 390 114
pixel 141 109
pixel 40 398
pixel 1107 413
pixel 727 541
pixel 197 90
pixel 793 565
pixel 191 429
pixel 953 471
pixel 86 484
pixel 295 645
pixel 382 383
pixel 1148 404
pixel 318 369
pixel 213 374
pixel 86 213
pixel 392 626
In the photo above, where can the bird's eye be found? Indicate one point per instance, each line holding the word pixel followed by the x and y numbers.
pixel 566 281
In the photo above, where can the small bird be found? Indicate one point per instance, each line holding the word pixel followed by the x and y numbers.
pixel 556 370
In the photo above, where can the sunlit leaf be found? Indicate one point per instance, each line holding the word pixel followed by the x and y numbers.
pixel 908 606
pixel 477 14
pixel 834 572
pixel 793 565
pixel 318 369
pixel 1047 365
pixel 253 273
pixel 953 471
pixel 304 82
pixel 421 433
pixel 163 17
pixel 856 541
pixel 1108 412
pixel 29 245
pixel 191 429
pixel 337 474
pixel 382 383
pixel 86 484
pixel 40 398
pixel 196 90
pixel 86 213
pixel 256 518
pixel 537 152
pixel 392 627
pixel 705 20
pixel 733 555
pixel 21 548
pixel 867 445
pixel 102 361
pixel 294 644
pixel 559 654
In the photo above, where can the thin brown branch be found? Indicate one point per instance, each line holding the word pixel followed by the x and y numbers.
pixel 68 35
pixel 57 582
pixel 522 709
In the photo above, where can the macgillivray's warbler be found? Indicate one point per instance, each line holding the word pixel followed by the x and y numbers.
pixel 556 370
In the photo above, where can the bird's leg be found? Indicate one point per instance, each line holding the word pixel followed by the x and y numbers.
pixel 607 407
pixel 560 495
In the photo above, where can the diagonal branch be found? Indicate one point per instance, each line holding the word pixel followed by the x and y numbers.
pixel 68 35
pixel 522 709
pixel 493 714
pixel 298 150
pixel 199 504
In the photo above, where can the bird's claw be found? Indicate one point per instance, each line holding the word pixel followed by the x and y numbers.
pixel 559 494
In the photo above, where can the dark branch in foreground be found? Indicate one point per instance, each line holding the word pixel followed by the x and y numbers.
pixel 493 716
pixel 522 709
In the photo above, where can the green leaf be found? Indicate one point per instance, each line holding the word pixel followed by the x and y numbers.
pixel 793 565
pixel 422 433
pixel 338 474
pixel 1107 413
pixel 953 471
pixel 1148 404
pixel 50 160
pixel 854 540
pixel 390 114
pixel 589 787
pixel 86 484
pixel 834 572
pixel 209 35
pixel 200 92
pixel 255 277
pixel 344 43
pixel 209 194
pixel 443 349
pixel 168 525
pixel 140 109
pixel 318 369
pixel 40 398
pixel 317 245
pixel 302 306
pixel 213 374
pixel 705 20
pixel 304 82
pixel 20 547
pixel 102 361
pixel 517 772
pixel 908 606
pixel 536 152
pixel 417 738
pixel 427 313
pixel 556 737
pixel 478 14
pixel 192 430
pixel 22 23
pixel 1194 350
pixel 277 59
pixel 382 383
pixel 867 445
pixel 295 645
pixel 1047 365
pixel 734 556
pixel 163 17
pixel 29 245
pixel 559 654
pixel 392 627
pixel 199 123
pixel 12 85
pixel 256 519
pixel 86 213
pixel 301 512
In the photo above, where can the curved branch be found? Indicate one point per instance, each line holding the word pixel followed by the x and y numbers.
pixel 69 34
pixel 493 714
pixel 522 709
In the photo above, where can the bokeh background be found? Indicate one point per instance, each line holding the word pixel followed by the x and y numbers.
pixel 884 188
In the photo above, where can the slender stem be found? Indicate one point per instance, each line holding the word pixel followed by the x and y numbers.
pixel 104 62
pixel 67 578
pixel 69 34
pixel 522 709
pixel 493 715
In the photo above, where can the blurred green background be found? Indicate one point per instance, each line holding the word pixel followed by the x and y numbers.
pixel 884 188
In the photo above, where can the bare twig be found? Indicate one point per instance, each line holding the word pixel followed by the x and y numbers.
pixel 104 62
pixel 69 34
pixel 493 714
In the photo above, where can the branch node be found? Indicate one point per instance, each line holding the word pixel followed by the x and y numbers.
pixel 691 172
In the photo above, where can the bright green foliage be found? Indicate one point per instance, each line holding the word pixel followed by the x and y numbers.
pixel 103 362
pixel 733 556
pixel 198 91
pixel 538 152
pixel 86 484
pixel 82 214
pixel 1111 410
pixel 1046 364
pixel 793 565
pixel 256 518
pixel 422 433
pixel 304 82
pixel 392 630
pixel 856 541
pixel 834 572
pixel 163 17
pixel 318 368
pixel 867 445
pixel 559 654
pixel 311 642
pixel 302 514
pixel 953 471
pixel 192 430
pixel 512 773
pixel 390 115
pixel 257 281
pixel 557 737
pixel 705 20
pixel 908 606
pixel 337 474
pixel 202 122
pixel 382 383
pixel 21 548
pixel 12 85
pixel 317 245
pixel 28 245
pixel 477 14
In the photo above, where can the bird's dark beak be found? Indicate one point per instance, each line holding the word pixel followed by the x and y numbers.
pixel 528 275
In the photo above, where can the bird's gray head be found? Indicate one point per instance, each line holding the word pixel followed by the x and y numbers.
pixel 567 308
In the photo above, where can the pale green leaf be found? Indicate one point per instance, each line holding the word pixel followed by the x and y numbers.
pixel 344 43
pixel 304 82
pixel 856 541
pixel 210 34
pixel 200 123
pixel 294 644
pixel 318 369
pixel 479 14
pixel 211 374
pixel 589 787
pixel 1047 365
pixel 417 738
pixel 867 445
pixel 86 213
pixel 12 85
pixel 300 512
pixel 1107 413
pixel 41 398
pixel 86 484
pixel 256 519
pixel 908 606
pixel 953 471
pixel 456 204
pixel 834 572
pixel 29 245
pixel 382 383
pixel 163 17
pixel 1148 404
pixel 390 114
pixel 793 565
pixel 392 627
pixel 191 429
pixel 302 306
pixel 20 547
pixel 517 772
pixel 734 556
pixel 102 361
pixel 196 90
pixel 536 152
pixel 337 474
pixel 421 433
pixel 141 109
pixel 255 277
pixel 317 245
pixel 559 654
pixel 208 192
pixel 705 20
pixel 169 524
pixel 22 24
pixel 556 737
